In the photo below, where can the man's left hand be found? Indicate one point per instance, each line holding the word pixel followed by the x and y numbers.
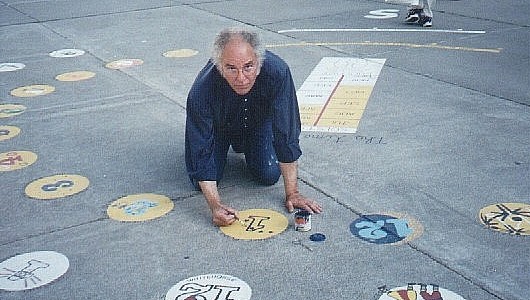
pixel 297 200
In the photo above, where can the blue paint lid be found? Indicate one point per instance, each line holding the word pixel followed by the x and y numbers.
pixel 317 237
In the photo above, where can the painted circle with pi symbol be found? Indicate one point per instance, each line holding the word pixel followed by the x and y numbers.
pixel 512 218
pixel 32 90
pixel 66 53
pixel 385 228
pixel 139 207
pixel 30 270
pixel 56 186
pixel 14 160
pixel 7 132
pixel 10 110
pixel 419 291
pixel 124 63
pixel 210 287
pixel 180 53
pixel 256 224
pixel 75 76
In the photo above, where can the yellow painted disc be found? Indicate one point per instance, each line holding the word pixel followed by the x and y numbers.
pixel 139 207
pixel 9 110
pixel 32 90
pixel 7 132
pixel 56 186
pixel 512 218
pixel 180 53
pixel 14 160
pixel 258 224
pixel 124 63
pixel 75 76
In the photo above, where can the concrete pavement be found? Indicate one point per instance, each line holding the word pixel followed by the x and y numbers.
pixel 444 135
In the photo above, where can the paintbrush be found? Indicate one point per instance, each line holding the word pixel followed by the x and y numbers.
pixel 240 221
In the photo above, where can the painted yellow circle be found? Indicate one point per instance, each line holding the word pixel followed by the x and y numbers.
pixel 9 110
pixel 256 224
pixel 7 132
pixel 14 160
pixel 139 207
pixel 512 218
pixel 124 63
pixel 75 76
pixel 180 53
pixel 32 90
pixel 56 186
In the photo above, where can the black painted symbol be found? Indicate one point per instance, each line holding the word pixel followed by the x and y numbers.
pixel 4 132
pixel 27 274
pixel 255 223
pixel 59 184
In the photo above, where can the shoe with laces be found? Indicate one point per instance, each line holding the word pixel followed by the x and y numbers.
pixel 413 15
pixel 426 22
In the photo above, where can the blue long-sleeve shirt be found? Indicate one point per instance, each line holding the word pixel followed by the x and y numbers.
pixel 216 115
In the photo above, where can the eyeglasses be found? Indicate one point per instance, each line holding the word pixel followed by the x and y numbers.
pixel 247 70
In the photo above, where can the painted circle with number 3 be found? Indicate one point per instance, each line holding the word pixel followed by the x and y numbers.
pixel 56 186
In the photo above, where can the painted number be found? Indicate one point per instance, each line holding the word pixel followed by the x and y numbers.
pixel 195 291
pixel 383 14
pixel 52 187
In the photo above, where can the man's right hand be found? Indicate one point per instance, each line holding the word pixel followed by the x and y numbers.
pixel 223 215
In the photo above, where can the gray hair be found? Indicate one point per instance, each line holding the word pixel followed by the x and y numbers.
pixel 228 34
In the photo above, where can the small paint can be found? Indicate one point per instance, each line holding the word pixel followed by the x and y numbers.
pixel 302 220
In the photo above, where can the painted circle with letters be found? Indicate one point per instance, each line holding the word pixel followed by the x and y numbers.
pixel 419 291
pixel 512 218
pixel 386 228
pixel 139 207
pixel 256 224
pixel 31 270
pixel 7 132
pixel 56 186
pixel 32 90
pixel 14 160
pixel 210 287
pixel 10 110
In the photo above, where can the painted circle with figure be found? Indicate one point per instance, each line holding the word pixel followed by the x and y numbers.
pixel 56 186
pixel 512 218
pixel 124 63
pixel 419 291
pixel 210 287
pixel 7 132
pixel 386 228
pixel 62 53
pixel 10 110
pixel 256 224
pixel 180 53
pixel 75 76
pixel 15 160
pixel 33 90
pixel 139 207
pixel 31 270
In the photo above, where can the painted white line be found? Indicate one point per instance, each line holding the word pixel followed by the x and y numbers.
pixel 382 30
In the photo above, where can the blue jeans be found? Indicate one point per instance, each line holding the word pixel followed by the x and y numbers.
pixel 259 152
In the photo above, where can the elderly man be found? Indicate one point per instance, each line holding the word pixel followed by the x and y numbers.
pixel 245 98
